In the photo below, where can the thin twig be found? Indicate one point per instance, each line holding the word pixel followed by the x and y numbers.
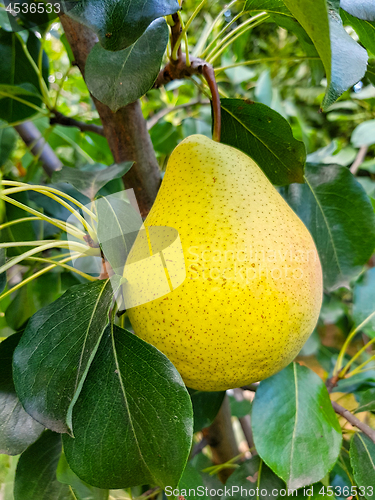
pixel 198 448
pixel 340 410
pixel 60 119
pixel 359 159
pixel 250 387
pixel 39 147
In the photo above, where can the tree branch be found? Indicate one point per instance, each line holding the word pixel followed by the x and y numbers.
pixel 61 119
pixel 125 130
pixel 220 437
pixel 366 429
pixel 359 159
pixel 39 147
pixel 245 421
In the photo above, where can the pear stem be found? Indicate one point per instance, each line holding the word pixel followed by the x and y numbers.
pixel 209 74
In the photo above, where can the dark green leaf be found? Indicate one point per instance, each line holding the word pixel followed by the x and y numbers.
pixel 3 276
pixel 364 302
pixel 82 490
pixel 17 429
pixel 190 481
pixel 366 401
pixel 15 69
pixel 364 134
pixel 274 6
pixel 364 29
pixel 205 407
pixel 118 226
pixel 8 139
pixel 362 458
pixel 36 471
pixel 340 218
pixel 120 23
pixel 53 357
pixel 364 9
pixel 251 475
pixel 119 78
pixel 90 182
pixel 296 431
pixel 132 395
pixel 266 137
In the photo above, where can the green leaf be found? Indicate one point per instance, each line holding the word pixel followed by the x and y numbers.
pixel 118 226
pixel 16 70
pixel 296 431
pixel 3 276
pixel 313 17
pixel 190 481
pixel 362 458
pixel 274 6
pixel 251 475
pixel 132 395
pixel 120 23
pixel 364 302
pixel 364 9
pixel 82 490
pixel 36 471
pixel 366 401
pixel 17 429
pixel 53 357
pixel 119 78
pixel 8 139
pixel 364 134
pixel 19 90
pixel 90 182
pixel 364 29
pixel 205 407
pixel 349 61
pixel 340 218
pixel 344 60
pixel 266 137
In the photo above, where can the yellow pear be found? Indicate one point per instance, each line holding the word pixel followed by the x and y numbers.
pixel 253 287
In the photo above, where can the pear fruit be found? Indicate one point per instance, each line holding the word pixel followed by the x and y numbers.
pixel 253 287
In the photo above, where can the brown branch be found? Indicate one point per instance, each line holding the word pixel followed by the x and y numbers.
pixel 125 130
pixel 220 437
pixel 359 159
pixel 177 69
pixel 331 383
pixel 60 119
pixel 39 147
pixel 198 448
pixel 340 410
pixel 245 421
